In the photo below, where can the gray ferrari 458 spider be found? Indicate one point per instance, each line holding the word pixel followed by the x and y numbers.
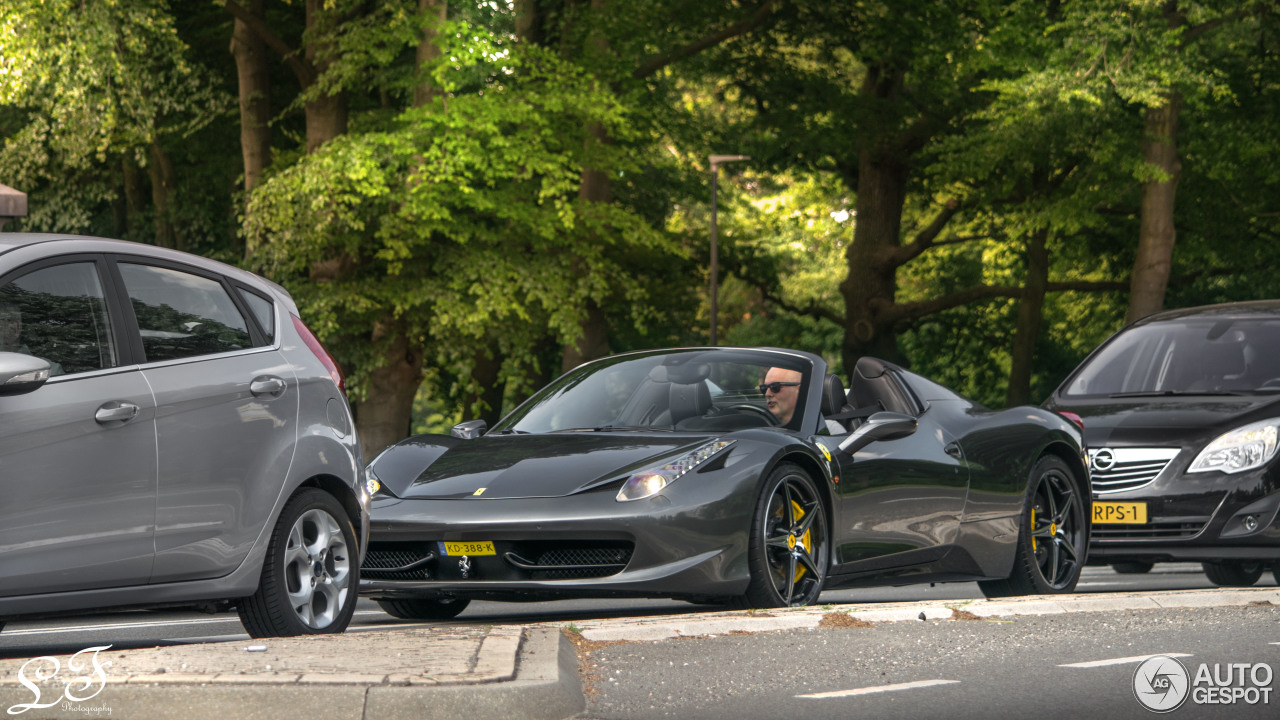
pixel 744 476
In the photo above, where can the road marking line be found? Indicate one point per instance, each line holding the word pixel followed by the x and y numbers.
pixel 117 626
pixel 879 689
pixel 1123 660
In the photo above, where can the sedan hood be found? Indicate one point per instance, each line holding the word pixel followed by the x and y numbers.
pixel 498 467
pixel 1166 420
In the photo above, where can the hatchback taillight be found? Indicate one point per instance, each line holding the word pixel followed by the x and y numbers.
pixel 1074 418
pixel 321 354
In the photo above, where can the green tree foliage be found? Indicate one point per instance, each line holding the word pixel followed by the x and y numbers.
pixel 85 86
pixel 460 217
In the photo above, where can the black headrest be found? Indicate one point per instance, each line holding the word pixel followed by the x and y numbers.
pixel 689 401
pixel 833 397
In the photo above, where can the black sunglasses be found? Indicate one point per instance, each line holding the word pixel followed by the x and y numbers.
pixel 775 387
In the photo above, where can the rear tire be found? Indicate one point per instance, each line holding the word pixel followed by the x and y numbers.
pixel 308 583
pixel 1053 535
pixel 424 608
pixel 1132 568
pixel 789 543
pixel 1233 573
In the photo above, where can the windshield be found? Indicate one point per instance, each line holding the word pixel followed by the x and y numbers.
pixel 1193 355
pixel 691 390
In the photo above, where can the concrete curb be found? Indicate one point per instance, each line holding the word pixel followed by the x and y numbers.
pixel 704 624
pixel 531 674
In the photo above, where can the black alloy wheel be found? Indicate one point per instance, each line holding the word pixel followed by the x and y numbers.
pixel 1053 540
pixel 790 542
pixel 1233 573
pixel 424 608
pixel 1132 568
pixel 308 583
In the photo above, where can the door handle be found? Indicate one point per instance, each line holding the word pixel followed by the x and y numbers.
pixel 266 385
pixel 953 449
pixel 115 411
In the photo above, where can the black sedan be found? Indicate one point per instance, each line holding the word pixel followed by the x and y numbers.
pixel 743 476
pixel 1182 411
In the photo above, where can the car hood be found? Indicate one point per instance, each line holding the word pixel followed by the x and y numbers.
pixel 1166 420
pixel 552 465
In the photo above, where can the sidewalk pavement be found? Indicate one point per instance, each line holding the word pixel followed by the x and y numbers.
pixel 497 672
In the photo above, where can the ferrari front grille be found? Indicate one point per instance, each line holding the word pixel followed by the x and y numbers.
pixel 397 561
pixel 547 561
pixel 1114 470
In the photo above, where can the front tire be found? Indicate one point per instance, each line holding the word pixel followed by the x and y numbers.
pixel 424 608
pixel 789 542
pixel 1233 573
pixel 1053 539
pixel 309 574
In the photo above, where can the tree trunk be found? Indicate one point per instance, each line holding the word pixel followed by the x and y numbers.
pixel 160 170
pixel 871 286
pixel 1030 315
pixel 428 49
pixel 383 418
pixel 254 79
pixel 486 371
pixel 1156 234
pixel 326 114
pixel 592 343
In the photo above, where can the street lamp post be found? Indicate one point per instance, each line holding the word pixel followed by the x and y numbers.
pixel 716 162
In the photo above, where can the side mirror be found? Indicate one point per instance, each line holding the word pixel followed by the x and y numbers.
pixel 880 426
pixel 21 373
pixel 469 430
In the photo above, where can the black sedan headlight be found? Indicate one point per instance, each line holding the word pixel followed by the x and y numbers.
pixel 1244 448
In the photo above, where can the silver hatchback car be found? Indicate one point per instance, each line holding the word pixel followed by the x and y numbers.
pixel 171 433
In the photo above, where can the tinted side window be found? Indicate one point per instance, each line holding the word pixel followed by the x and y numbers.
pixel 263 311
pixel 58 314
pixel 182 315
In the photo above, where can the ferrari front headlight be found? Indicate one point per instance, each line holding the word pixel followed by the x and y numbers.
pixel 650 482
pixel 1244 448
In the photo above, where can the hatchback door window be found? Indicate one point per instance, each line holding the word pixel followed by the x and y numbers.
pixel 181 314
pixel 58 314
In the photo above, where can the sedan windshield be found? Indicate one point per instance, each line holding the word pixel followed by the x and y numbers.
pixel 1187 356
pixel 691 390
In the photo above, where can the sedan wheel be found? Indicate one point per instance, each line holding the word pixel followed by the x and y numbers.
pixel 309 574
pixel 424 608
pixel 1053 540
pixel 1233 573
pixel 789 550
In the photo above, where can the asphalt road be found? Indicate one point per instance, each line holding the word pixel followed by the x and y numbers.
pixel 139 629
pixel 1075 666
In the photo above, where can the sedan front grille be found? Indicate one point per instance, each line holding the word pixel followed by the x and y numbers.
pixel 1114 470
pixel 1179 530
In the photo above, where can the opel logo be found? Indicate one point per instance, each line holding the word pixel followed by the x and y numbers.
pixel 1104 459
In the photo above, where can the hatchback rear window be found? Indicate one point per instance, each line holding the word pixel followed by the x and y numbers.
pixel 181 314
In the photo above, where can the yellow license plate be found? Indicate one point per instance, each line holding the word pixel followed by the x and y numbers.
pixel 467 548
pixel 1131 513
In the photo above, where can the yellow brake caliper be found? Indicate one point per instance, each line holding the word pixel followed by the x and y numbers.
pixel 1033 529
pixel 808 534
